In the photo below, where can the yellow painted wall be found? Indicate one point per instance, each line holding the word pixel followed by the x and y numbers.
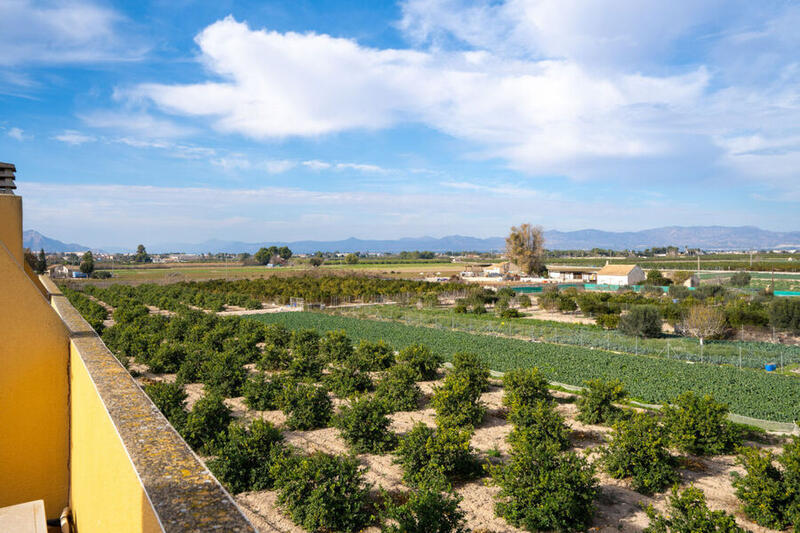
pixel 34 411
pixel 106 494
pixel 11 224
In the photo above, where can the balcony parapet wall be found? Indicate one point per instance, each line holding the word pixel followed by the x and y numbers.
pixel 177 492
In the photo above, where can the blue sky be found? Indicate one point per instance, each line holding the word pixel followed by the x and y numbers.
pixel 180 121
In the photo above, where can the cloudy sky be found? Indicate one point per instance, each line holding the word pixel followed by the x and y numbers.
pixel 179 121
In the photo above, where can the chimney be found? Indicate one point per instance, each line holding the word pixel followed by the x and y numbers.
pixel 7 171
pixel 10 213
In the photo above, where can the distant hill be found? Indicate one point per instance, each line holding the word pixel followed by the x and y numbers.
pixel 705 237
pixel 36 241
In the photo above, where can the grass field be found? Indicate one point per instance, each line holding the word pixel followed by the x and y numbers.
pixel 206 271
pixel 748 392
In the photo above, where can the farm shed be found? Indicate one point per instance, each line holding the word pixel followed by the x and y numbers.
pixel 620 275
pixel 573 273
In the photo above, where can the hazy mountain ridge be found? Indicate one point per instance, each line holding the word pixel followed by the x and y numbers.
pixel 36 241
pixel 705 237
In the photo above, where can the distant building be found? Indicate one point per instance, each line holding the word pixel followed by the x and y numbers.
pixel 59 271
pixel 620 275
pixel 502 269
pixel 573 273
pixel 79 274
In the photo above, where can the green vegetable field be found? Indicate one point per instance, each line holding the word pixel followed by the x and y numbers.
pixel 750 393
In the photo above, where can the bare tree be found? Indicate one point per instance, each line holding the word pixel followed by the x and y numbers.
pixel 704 322
pixel 525 248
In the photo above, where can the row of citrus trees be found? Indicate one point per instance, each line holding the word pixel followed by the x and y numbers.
pixel 543 485
pixel 324 289
pixel 93 312
pixel 173 297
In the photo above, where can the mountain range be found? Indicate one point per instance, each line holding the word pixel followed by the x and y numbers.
pixel 705 237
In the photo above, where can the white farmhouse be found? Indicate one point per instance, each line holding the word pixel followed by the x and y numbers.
pixel 620 275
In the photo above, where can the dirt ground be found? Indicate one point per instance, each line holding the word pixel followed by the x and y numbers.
pixel 619 508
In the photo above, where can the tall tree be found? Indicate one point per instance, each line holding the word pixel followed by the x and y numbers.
pixel 41 262
pixel 263 256
pixel 141 255
pixel 525 248
pixel 284 252
pixel 87 263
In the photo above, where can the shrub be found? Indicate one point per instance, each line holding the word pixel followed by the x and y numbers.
pixel 740 279
pixel 434 456
pixel 206 423
pixel 538 424
pixel 128 311
pixel 262 393
pixel 607 321
pixel 524 386
pixel 225 373
pixel 596 406
pixel 784 314
pixel 244 460
pixel 364 426
pixel 345 380
pixel 420 358
pixel 274 357
pixel 374 355
pixel 690 514
pixel 641 321
pixel 277 335
pixel 167 358
pixel 699 425
pixel 460 307
pixel 335 347
pixel 566 303
pixel 456 402
pixel 305 343
pixel 771 495
pixel 426 510
pixel 638 451
pixel 322 492
pixel 473 367
pixel 305 360
pixel 193 366
pixel 170 398
pixel 307 407
pixel 397 390
pixel 479 309
pixel 524 301
pixel 510 313
pixel 542 488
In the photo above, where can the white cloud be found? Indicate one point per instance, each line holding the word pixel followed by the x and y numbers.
pixel 142 124
pixel 236 162
pixel 74 137
pixel 18 134
pixel 550 86
pixel 315 164
pixel 532 112
pixel 361 167
pixel 78 31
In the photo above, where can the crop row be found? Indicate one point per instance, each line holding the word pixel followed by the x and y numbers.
pixel 746 354
pixel 748 392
